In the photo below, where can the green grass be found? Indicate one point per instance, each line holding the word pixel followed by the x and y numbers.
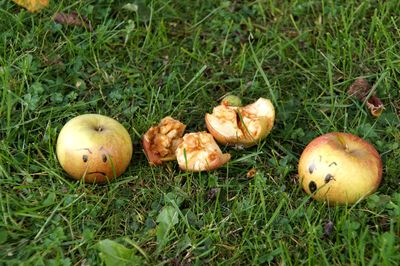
pixel 178 58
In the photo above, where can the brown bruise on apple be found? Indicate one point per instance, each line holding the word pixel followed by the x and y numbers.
pixel 327 172
pixel 161 141
pixel 241 125
pixel 199 152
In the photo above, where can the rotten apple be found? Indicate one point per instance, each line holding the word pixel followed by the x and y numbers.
pixel 236 125
pixel 340 168
pixel 199 152
pixel 94 148
pixel 161 141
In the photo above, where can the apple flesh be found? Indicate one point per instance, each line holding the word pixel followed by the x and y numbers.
pixel 247 125
pixel 161 141
pixel 94 148
pixel 199 152
pixel 340 168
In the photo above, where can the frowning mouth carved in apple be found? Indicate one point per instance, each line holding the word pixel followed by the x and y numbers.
pixel 101 173
pixel 86 157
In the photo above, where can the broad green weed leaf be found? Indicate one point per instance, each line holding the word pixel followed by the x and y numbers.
pixel 51 197
pixel 115 254
pixel 173 198
pixel 168 215
pixel 167 218
pixel 162 232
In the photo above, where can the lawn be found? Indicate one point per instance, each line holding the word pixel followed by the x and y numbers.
pixel 146 60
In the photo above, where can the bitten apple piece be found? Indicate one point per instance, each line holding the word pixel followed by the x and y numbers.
pixel 241 125
pixel 161 141
pixel 199 152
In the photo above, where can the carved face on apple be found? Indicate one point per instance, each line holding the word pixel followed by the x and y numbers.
pixel 340 168
pixel 94 148
pixel 96 161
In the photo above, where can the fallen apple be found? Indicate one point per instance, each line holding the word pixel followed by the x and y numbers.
pixel 245 125
pixel 199 152
pixel 340 168
pixel 94 148
pixel 161 141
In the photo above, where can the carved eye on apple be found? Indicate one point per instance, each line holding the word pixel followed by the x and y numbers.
pixel 323 174
pixel 93 158
pixel 85 157
pixel 340 168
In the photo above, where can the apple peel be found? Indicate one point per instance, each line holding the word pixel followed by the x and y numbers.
pixel 161 141
pixel 245 126
pixel 199 152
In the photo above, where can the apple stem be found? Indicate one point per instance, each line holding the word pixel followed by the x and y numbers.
pixel 343 142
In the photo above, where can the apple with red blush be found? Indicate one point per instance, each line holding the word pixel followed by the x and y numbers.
pixel 340 168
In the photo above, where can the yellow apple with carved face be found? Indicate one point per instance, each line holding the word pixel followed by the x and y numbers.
pixel 340 168
pixel 94 148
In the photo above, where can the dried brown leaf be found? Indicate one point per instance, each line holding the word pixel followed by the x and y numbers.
pixel 375 106
pixel 73 19
pixel 361 89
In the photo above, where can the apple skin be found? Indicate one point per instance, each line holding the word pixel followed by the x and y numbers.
pixel 93 147
pixel 340 168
